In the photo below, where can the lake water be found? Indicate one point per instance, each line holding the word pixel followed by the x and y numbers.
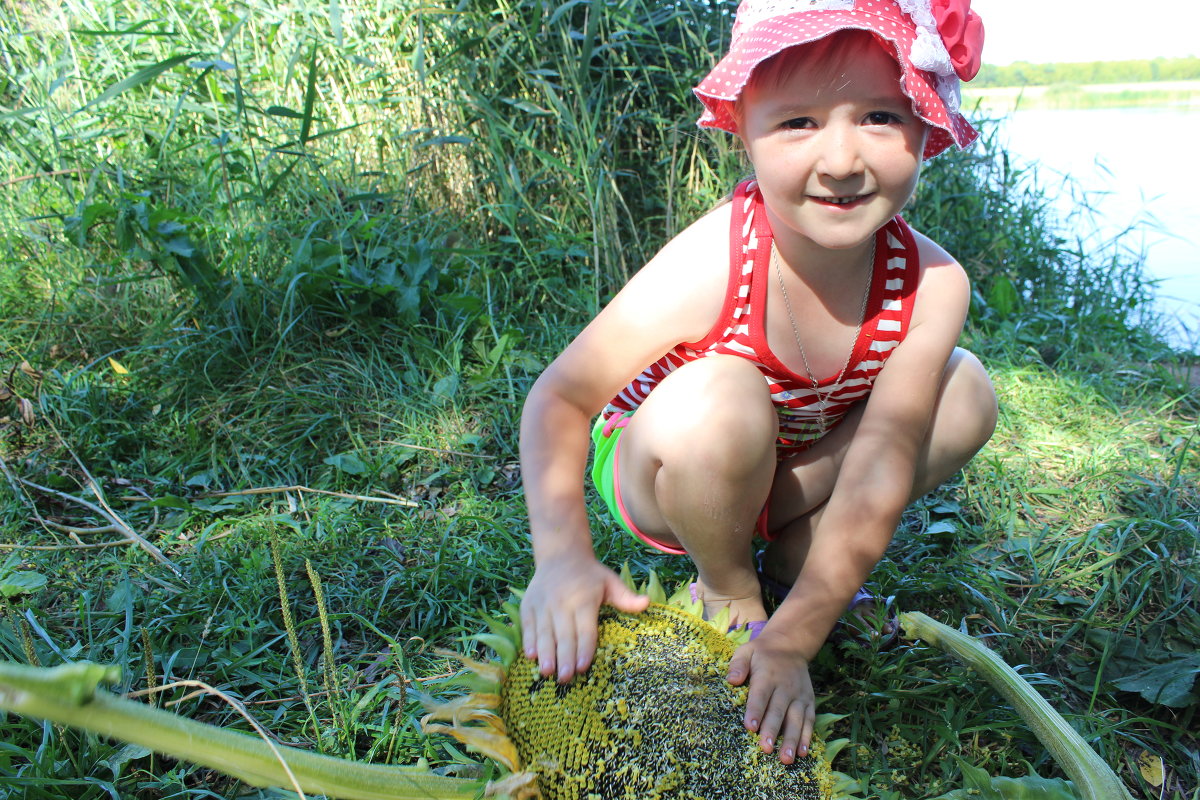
pixel 1139 167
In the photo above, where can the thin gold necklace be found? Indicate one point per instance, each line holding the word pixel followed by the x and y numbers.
pixel 822 397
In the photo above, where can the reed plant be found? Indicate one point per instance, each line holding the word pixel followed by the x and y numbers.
pixel 281 276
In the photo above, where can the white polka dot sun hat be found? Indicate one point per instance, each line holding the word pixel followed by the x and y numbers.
pixel 937 43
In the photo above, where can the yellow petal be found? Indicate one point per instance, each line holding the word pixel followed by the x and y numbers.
pixel 117 367
pixel 518 786
pixel 494 746
pixel 465 708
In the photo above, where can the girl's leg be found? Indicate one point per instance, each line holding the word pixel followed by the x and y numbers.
pixel 696 465
pixel 963 420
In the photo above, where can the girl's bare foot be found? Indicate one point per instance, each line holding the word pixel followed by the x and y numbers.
pixel 742 608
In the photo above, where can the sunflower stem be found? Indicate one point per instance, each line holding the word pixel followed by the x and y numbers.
pixel 1094 779
pixel 68 695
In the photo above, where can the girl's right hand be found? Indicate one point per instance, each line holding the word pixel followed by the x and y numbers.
pixel 560 608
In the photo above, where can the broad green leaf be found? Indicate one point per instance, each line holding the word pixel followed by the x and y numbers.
pixel 1002 296
pixel 1168 684
pixel 24 582
pixel 446 387
pixel 347 462
pixel 180 246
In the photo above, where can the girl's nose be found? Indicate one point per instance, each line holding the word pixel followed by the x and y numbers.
pixel 839 156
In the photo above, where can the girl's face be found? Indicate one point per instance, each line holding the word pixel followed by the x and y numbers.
pixel 835 144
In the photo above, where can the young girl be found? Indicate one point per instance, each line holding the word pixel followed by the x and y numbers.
pixel 786 367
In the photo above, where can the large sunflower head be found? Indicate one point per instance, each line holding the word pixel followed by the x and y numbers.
pixel 652 719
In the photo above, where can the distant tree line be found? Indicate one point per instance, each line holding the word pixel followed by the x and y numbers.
pixel 1023 73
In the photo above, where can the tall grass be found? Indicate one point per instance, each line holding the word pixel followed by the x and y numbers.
pixel 319 252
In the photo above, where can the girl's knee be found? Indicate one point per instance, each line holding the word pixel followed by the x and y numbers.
pixel 715 410
pixel 969 399
pixel 723 393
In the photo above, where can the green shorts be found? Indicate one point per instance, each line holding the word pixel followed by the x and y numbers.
pixel 606 436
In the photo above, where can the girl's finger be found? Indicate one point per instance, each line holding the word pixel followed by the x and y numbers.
pixel 529 632
pixel 564 635
pixel 756 706
pixel 739 666
pixel 806 730
pixel 793 731
pixel 545 644
pixel 585 639
pixel 772 725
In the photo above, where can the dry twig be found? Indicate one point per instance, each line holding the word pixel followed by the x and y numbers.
pixel 441 450
pixel 399 501
pixel 110 515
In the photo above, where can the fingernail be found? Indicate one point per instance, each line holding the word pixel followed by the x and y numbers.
pixel 788 754
pixel 769 741
pixel 803 750
pixel 753 724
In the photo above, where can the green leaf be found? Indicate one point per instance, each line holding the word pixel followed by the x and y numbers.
pixel 142 76
pixel 282 111
pixel 117 761
pixel 310 96
pixel 446 387
pixel 348 463
pixel 1002 296
pixel 24 582
pixel 977 782
pixel 1168 684
pixel 979 785
pixel 180 246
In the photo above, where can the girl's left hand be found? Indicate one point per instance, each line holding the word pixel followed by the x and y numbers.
pixel 781 707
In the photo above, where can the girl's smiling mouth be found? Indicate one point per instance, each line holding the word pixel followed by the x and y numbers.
pixel 845 200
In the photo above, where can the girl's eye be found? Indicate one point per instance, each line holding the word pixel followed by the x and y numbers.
pixel 882 118
pixel 798 123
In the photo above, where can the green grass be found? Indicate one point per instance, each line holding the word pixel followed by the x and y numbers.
pixel 333 248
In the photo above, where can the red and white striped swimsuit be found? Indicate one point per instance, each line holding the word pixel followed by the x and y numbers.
pixel 740 331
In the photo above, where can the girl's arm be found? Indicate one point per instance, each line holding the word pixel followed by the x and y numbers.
pixel 875 481
pixel 874 484
pixel 675 298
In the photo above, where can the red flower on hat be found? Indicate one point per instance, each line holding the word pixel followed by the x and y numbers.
pixel 962 33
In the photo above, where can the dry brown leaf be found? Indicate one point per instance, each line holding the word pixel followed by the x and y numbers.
pixel 30 371
pixel 26 410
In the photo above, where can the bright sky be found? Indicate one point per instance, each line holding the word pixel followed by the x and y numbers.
pixel 1043 31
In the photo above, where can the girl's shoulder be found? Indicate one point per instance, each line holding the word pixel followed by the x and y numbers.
pixel 696 258
pixel 705 240
pixel 683 287
pixel 930 253
pixel 942 283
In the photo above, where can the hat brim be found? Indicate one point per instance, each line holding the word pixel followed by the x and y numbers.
pixel 722 86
